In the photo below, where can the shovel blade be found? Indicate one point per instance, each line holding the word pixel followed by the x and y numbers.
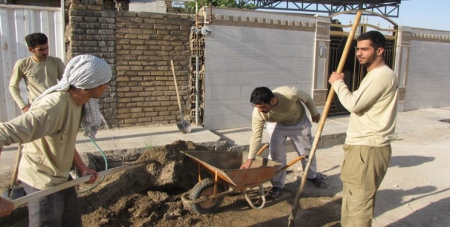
pixel 184 127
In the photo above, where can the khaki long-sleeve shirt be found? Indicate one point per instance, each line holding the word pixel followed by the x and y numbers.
pixel 38 77
pixel 288 111
pixel 373 108
pixel 49 130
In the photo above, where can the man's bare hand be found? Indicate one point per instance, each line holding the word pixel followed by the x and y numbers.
pixel 316 118
pixel 6 207
pixel 26 108
pixel 247 164
pixel 335 76
pixel 89 171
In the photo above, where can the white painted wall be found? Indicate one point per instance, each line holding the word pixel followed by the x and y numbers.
pixel 156 6
pixel 428 76
pixel 16 22
pixel 239 59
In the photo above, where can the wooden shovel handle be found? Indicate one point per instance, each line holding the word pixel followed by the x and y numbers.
pixel 39 194
pixel 323 118
pixel 176 86
pixel 16 168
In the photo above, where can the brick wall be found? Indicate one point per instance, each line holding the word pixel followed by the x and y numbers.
pixel 146 43
pixel 139 47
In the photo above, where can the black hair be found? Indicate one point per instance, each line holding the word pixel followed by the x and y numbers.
pixel 261 95
pixel 377 39
pixel 35 39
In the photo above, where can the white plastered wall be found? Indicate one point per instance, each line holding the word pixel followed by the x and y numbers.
pixel 239 59
pixel 156 6
pixel 428 77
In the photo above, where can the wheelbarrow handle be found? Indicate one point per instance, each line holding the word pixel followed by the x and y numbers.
pixel 293 162
pixel 262 149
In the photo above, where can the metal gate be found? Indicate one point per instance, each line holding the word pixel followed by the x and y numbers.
pixel 353 71
pixel 17 21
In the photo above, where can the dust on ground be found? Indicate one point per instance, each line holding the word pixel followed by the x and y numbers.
pixel 151 196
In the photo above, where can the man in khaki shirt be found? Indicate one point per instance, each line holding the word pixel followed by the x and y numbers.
pixel 39 71
pixel 49 130
pixel 285 115
pixel 373 116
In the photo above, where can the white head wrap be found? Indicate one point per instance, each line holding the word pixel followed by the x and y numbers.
pixel 85 72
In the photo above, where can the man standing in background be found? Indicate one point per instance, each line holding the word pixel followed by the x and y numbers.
pixel 39 71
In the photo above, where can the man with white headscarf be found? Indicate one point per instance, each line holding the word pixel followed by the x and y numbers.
pixel 50 128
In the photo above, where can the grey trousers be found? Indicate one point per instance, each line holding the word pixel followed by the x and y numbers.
pixel 60 209
pixel 300 135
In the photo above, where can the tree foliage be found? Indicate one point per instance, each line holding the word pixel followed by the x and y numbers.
pixel 190 6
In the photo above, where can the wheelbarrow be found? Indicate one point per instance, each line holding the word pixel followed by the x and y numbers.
pixel 208 194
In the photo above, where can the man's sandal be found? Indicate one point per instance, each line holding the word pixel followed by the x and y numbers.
pixel 274 193
pixel 318 182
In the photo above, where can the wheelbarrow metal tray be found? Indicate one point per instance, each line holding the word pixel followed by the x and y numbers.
pixel 226 165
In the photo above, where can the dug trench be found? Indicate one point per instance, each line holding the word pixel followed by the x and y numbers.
pixel 151 196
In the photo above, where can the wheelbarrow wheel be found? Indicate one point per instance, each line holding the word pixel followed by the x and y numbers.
pixel 206 188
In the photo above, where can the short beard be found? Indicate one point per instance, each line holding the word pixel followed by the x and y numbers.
pixel 372 59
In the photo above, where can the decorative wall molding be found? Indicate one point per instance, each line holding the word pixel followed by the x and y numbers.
pixel 261 22
pixel 431 37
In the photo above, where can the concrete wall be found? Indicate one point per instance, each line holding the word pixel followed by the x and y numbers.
pixel 248 49
pixel 427 76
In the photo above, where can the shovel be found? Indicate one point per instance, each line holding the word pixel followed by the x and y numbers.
pixel 14 191
pixel 322 120
pixel 183 126
pixel 39 194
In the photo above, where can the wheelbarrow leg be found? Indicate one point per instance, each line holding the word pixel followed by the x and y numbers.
pixel 263 198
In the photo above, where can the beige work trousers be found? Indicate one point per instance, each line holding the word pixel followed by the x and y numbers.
pixel 363 170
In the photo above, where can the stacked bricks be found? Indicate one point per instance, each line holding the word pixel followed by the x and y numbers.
pixel 146 43
pixel 91 30
pixel 197 46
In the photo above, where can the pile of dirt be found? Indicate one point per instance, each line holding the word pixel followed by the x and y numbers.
pixel 151 196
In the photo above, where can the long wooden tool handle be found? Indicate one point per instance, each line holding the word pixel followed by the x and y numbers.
pixel 16 168
pixel 323 118
pixel 176 86
pixel 262 149
pixel 39 194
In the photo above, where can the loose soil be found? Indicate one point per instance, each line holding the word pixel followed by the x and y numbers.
pixel 415 191
pixel 151 196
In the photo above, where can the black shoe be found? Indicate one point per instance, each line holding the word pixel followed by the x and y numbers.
pixel 318 182
pixel 274 193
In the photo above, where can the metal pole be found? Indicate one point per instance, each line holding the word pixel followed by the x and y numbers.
pixel 197 90
pixel 63 24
